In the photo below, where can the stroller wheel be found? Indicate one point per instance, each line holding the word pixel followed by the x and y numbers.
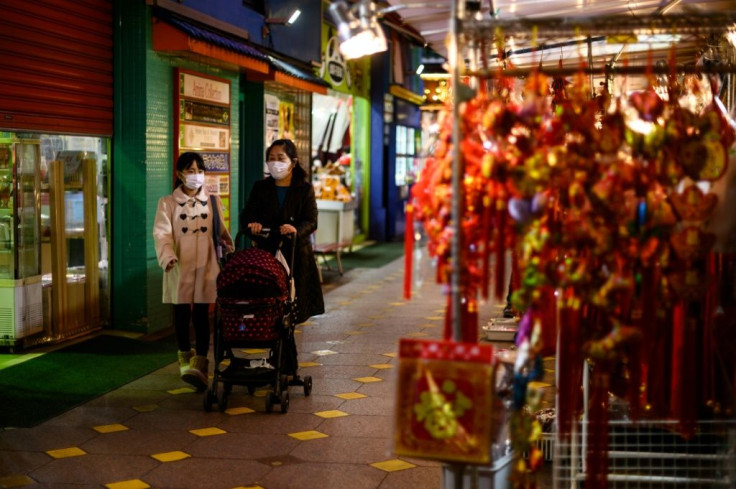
pixel 209 399
pixel 307 385
pixel 222 403
pixel 270 401
pixel 285 402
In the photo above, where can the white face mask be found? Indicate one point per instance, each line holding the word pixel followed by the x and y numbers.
pixel 279 169
pixel 193 181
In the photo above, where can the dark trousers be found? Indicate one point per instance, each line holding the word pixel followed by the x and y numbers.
pixel 199 316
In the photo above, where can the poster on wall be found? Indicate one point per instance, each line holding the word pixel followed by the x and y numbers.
pixel 286 120
pixel 203 126
pixel 272 118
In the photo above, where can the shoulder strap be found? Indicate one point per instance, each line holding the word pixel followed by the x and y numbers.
pixel 216 231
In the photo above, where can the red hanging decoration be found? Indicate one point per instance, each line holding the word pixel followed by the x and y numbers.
pixel 408 250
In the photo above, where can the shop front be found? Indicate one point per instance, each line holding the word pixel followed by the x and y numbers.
pixel 57 121
pixel 340 149
pixel 194 78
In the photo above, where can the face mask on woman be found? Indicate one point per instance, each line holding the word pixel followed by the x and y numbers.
pixel 193 181
pixel 279 169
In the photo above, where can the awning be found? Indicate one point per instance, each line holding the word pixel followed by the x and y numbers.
pixel 293 76
pixel 174 35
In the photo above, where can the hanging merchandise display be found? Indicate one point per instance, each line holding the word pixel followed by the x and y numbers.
pixel 607 202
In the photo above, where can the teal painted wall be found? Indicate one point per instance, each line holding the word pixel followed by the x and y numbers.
pixel 143 165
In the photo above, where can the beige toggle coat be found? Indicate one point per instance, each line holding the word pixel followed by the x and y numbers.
pixel 183 230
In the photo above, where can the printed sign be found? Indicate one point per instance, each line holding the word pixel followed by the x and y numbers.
pixel 204 137
pixel 206 89
pixel 272 118
pixel 192 111
pixel 216 162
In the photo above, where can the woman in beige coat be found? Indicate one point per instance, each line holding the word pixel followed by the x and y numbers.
pixel 182 234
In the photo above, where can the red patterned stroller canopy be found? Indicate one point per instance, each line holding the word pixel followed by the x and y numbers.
pixel 253 273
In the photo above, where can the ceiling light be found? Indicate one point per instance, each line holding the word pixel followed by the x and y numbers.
pixel 284 20
pixel 358 36
pixel 295 15
pixel 420 69
pixel 357 26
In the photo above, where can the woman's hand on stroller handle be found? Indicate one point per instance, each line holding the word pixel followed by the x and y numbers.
pixel 287 229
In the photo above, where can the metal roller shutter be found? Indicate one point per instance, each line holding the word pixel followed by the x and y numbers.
pixel 56 66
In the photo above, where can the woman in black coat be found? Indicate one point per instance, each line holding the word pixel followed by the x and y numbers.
pixel 285 203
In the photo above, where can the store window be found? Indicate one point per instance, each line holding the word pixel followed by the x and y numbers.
pixel 74 253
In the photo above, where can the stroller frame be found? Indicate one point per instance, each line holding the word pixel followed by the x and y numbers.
pixel 239 371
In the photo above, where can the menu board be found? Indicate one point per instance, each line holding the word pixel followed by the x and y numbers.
pixel 203 125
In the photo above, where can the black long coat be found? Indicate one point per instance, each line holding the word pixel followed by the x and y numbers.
pixel 299 210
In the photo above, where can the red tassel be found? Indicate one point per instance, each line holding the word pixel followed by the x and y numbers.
pixel 570 361
pixel 501 249
pixel 597 450
pixel 408 250
pixel 448 333
pixel 678 336
pixel 470 320
pixel 487 246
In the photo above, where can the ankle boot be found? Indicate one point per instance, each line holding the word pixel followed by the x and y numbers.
pixel 196 373
pixel 184 358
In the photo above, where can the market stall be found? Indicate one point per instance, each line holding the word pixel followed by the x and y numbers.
pixel 612 198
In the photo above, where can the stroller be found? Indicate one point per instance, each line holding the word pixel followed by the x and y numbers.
pixel 254 309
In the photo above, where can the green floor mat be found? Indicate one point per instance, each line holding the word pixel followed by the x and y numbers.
pixel 43 387
pixel 370 256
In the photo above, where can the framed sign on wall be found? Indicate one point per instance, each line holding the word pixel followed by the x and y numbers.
pixel 203 108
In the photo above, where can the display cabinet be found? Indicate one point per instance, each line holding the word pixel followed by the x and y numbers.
pixel 21 311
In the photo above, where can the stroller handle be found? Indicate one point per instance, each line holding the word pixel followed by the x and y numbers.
pixel 264 234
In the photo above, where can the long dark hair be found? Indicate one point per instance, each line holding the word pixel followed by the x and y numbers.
pixel 185 161
pixel 298 175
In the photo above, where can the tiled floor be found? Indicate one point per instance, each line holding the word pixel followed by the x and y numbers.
pixel 155 433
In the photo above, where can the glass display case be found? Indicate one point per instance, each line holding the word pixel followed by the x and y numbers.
pixel 20 244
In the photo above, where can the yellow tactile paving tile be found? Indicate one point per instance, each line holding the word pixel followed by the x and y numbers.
pixel 322 353
pixel 208 431
pixel 170 456
pixel 539 385
pixel 308 435
pixel 344 303
pixel 368 380
pixel 239 410
pixel 398 303
pixel 365 325
pixel 110 428
pixel 354 333
pixel 181 390
pixel 147 408
pixel 434 318
pixel 393 465
pixel 390 355
pixel 249 487
pixel 66 452
pixel 131 484
pixel 12 481
pixel 309 364
pixel 381 366
pixel 334 413
pixel 350 395
pixel 417 334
